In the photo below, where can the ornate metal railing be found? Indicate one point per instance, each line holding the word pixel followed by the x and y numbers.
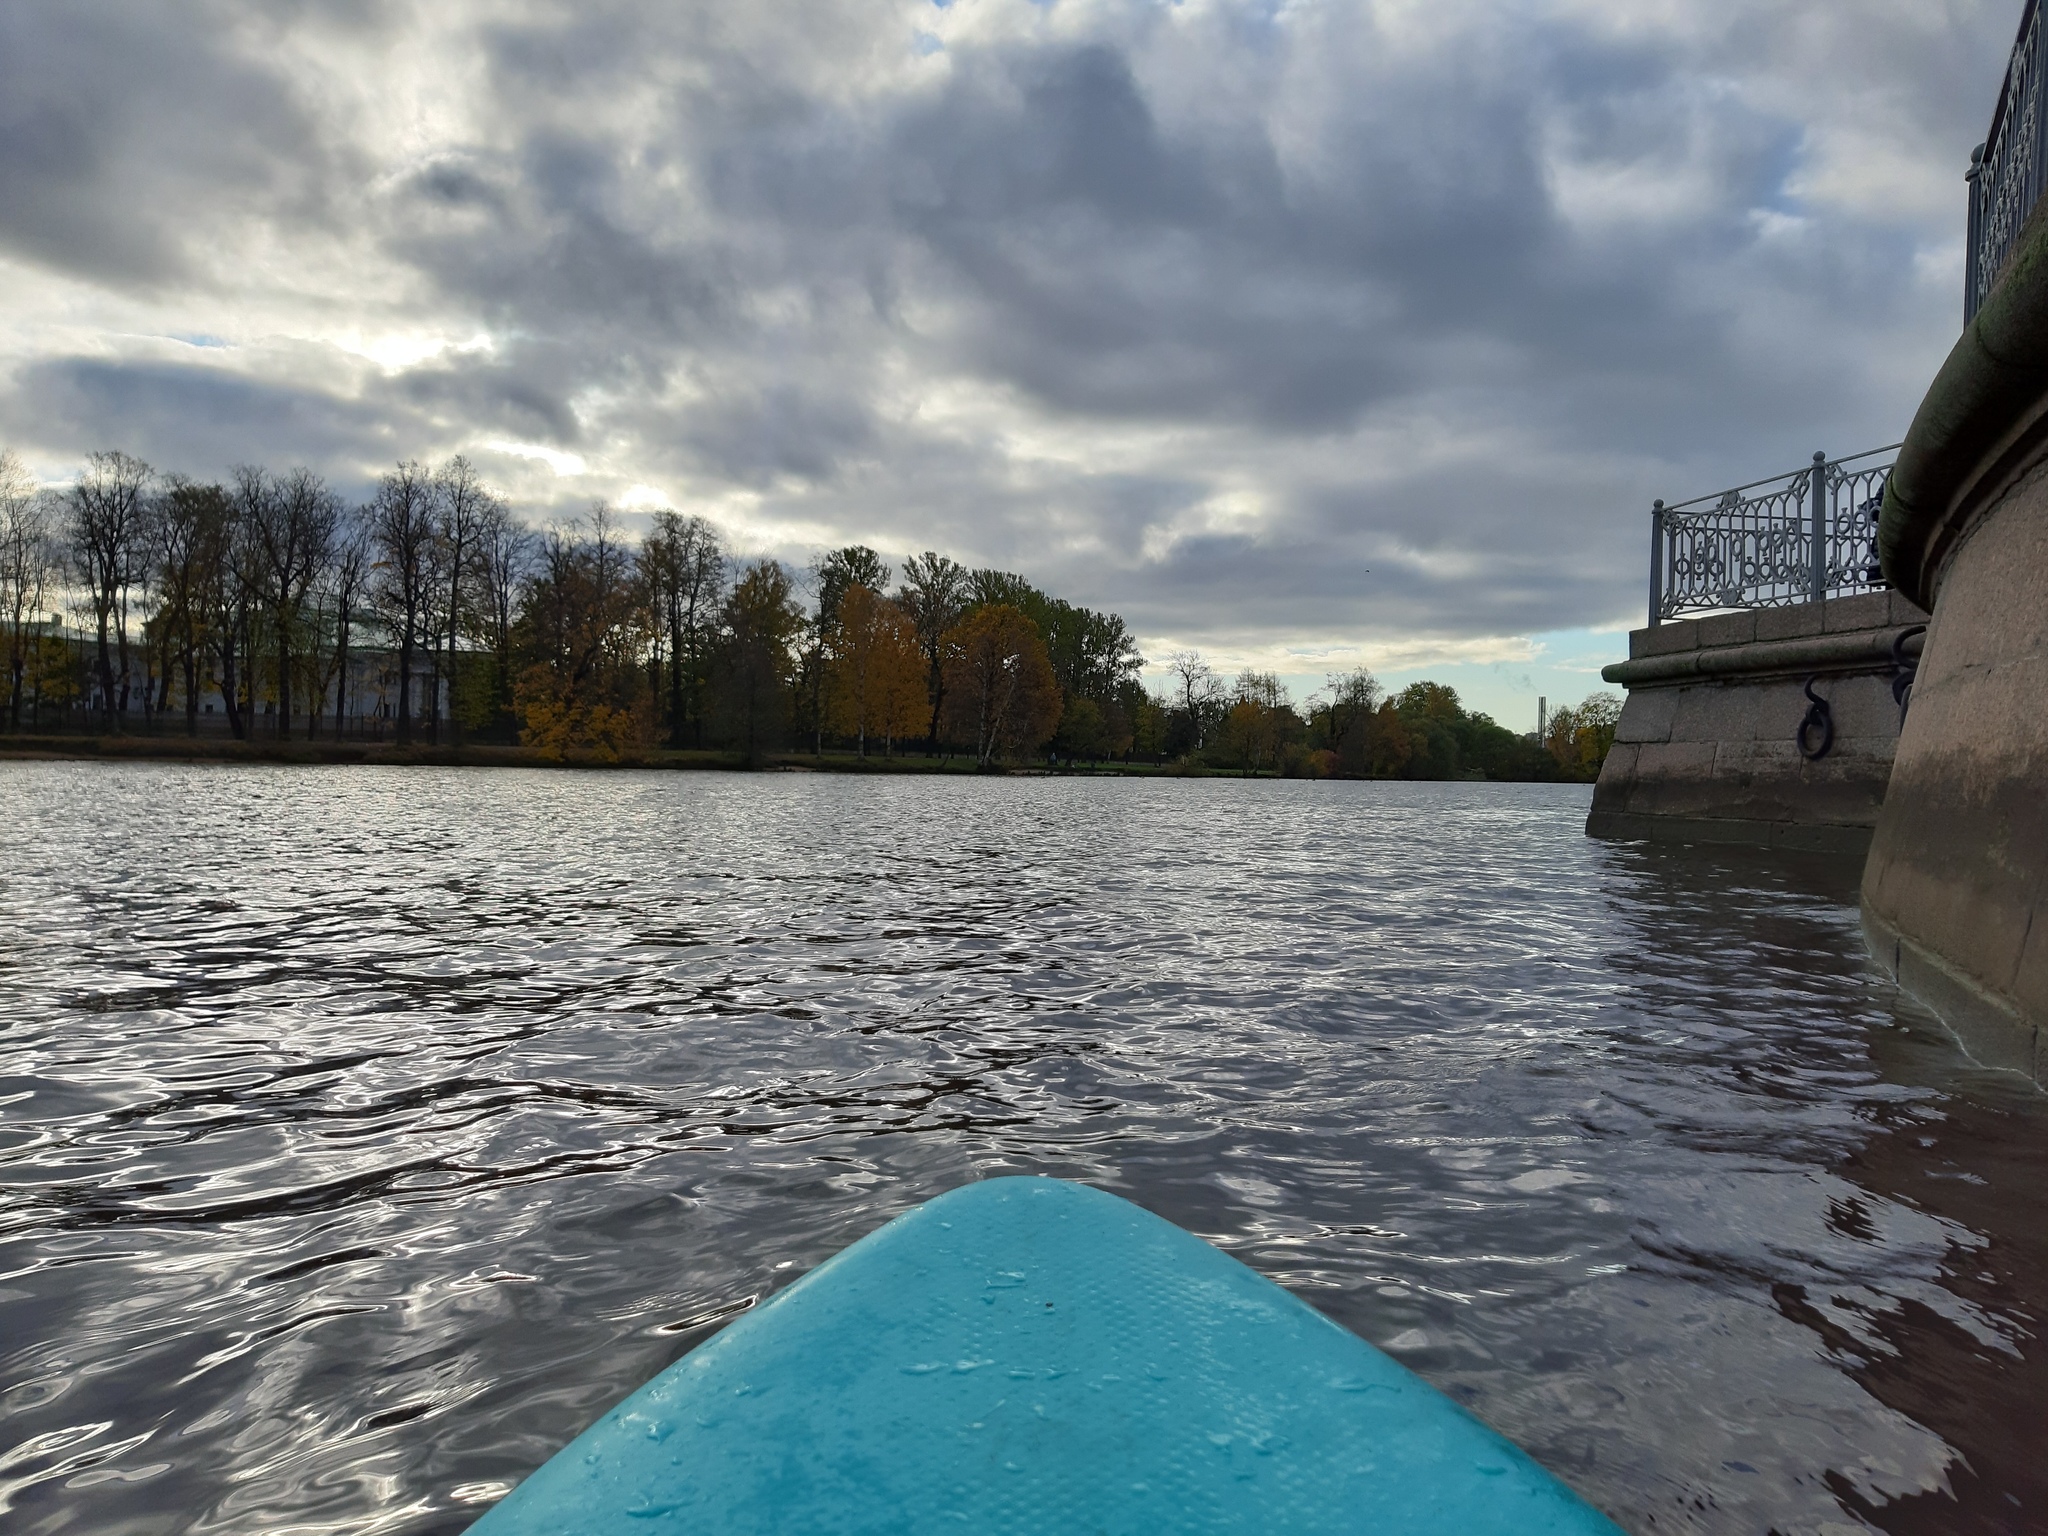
pixel 1794 538
pixel 2008 170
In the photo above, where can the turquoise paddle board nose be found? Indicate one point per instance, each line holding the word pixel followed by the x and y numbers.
pixel 1027 1355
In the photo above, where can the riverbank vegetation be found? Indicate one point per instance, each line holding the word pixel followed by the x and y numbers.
pixel 269 608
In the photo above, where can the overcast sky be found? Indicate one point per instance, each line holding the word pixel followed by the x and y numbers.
pixel 1308 334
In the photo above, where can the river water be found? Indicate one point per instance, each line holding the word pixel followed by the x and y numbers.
pixel 364 1133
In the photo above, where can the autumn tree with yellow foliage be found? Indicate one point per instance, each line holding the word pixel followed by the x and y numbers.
pixel 1000 691
pixel 877 671
pixel 1580 735
pixel 583 628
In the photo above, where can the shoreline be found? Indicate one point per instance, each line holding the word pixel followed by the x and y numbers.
pixel 326 752
pixel 319 752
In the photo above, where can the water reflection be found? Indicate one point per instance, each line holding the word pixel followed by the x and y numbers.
pixel 365 1133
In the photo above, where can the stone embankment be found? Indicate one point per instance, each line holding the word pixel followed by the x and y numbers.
pixel 1709 748
pixel 1955 893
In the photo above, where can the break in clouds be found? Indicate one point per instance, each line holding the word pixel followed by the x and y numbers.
pixel 1277 327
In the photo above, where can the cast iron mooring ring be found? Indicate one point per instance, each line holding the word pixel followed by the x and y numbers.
pixel 1904 669
pixel 1819 722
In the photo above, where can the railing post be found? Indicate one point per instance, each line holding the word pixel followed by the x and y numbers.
pixel 1820 526
pixel 1657 563
pixel 1975 231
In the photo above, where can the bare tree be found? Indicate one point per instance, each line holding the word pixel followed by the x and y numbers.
pixel 27 564
pixel 337 598
pixel 504 550
pixel 465 506
pixel 291 522
pixel 685 568
pixel 611 568
pixel 106 529
pixel 233 587
pixel 1354 698
pixel 403 584
pixel 1261 688
pixel 190 528
pixel 1199 690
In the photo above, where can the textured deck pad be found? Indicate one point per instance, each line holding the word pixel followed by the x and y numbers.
pixel 1028 1355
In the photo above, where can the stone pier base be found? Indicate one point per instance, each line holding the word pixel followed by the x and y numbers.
pixel 1955 896
pixel 1708 750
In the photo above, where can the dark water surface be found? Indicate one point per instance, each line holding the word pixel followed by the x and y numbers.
pixel 365 1133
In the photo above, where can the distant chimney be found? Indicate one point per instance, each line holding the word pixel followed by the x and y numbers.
pixel 1542 717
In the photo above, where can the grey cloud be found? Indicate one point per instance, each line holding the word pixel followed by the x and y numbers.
pixel 740 247
pixel 198 419
pixel 753 437
pixel 506 399
pixel 126 132
pixel 540 246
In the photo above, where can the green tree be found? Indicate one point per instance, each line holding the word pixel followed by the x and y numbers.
pixel 1149 724
pixel 755 672
pixel 1084 731
pixel 1005 589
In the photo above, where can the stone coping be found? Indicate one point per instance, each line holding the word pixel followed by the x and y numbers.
pixel 1863 650
pixel 1841 634
pixel 1981 425
pixel 1792 621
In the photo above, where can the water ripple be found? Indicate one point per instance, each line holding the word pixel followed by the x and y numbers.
pixel 364 1133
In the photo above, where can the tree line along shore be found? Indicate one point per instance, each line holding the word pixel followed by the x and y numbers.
pixel 269 616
